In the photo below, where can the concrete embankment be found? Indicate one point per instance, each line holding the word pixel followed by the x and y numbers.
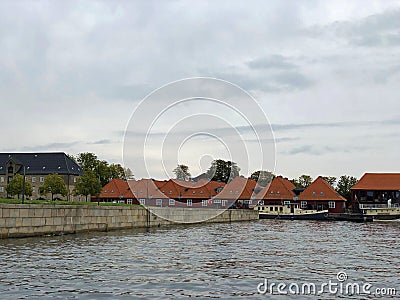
pixel 23 220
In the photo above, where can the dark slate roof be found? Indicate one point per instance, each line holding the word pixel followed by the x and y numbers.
pixel 41 163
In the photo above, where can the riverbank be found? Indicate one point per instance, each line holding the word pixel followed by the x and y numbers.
pixel 23 220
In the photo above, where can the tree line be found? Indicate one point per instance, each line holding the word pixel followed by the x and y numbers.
pixel 224 171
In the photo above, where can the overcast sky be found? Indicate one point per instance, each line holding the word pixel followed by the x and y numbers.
pixel 326 73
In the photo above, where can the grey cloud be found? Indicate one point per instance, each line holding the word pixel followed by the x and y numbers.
pixel 45 147
pixel 271 62
pixel 101 142
pixel 378 30
pixel 322 150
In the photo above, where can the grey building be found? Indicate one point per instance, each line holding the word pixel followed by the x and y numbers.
pixel 37 166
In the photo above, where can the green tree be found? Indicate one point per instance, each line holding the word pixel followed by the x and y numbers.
pixel 54 185
pixel 330 179
pixel 224 171
pixel 128 173
pixel 87 161
pixel 87 184
pixel 344 184
pixel 15 186
pixel 303 181
pixel 182 172
pixel 262 177
pixel 116 171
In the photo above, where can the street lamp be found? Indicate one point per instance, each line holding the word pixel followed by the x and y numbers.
pixel 23 186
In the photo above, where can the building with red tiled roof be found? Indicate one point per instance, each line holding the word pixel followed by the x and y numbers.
pixel 321 195
pixel 278 192
pixel 376 189
pixel 117 190
pixel 240 191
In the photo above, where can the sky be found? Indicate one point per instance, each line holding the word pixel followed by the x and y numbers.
pixel 317 81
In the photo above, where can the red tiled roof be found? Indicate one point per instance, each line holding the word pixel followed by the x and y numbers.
pixel 378 181
pixel 116 188
pixel 146 188
pixel 280 188
pixel 320 190
pixel 238 188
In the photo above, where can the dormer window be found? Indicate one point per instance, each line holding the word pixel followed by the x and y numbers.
pixel 10 169
pixel 314 193
pixel 322 193
pixel 112 191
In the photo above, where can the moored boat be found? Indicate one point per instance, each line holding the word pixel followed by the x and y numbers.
pixel 381 212
pixel 290 212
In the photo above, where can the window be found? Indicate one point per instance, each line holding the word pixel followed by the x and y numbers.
pixel 331 204
pixel 142 201
pixel 170 192
pixel 281 209
pixel 230 192
pixel 41 179
pixel 314 193
pixel 33 189
pixel 112 191
pixel 217 201
pixel 159 202
pixel 271 209
pixel 34 179
pixel 171 202
pixel 189 202
pixel 322 193
pixel 224 202
pixel 1 179
pixel 203 202
pixel 129 201
pixel 74 179
pixel 10 169
pixel 303 204
pixel 1 189
pixel 286 202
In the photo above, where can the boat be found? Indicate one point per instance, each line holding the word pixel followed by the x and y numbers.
pixel 290 211
pixel 381 212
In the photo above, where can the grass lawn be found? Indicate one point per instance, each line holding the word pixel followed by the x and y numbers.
pixel 58 202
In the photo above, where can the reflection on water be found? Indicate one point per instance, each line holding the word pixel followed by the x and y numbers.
pixel 204 261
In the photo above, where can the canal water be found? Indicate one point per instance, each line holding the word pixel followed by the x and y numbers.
pixel 222 261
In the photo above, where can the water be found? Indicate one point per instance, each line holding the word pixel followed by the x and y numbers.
pixel 225 261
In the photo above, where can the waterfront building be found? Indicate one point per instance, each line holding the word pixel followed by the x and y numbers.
pixel 239 192
pixel 36 166
pixel 376 190
pixel 279 192
pixel 117 191
pixel 320 195
pixel 168 193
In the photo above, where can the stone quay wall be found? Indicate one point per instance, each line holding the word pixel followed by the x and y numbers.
pixel 23 220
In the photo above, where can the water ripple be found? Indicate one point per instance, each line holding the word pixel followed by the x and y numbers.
pixel 213 261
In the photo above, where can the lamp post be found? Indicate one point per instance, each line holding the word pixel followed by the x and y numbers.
pixel 23 187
